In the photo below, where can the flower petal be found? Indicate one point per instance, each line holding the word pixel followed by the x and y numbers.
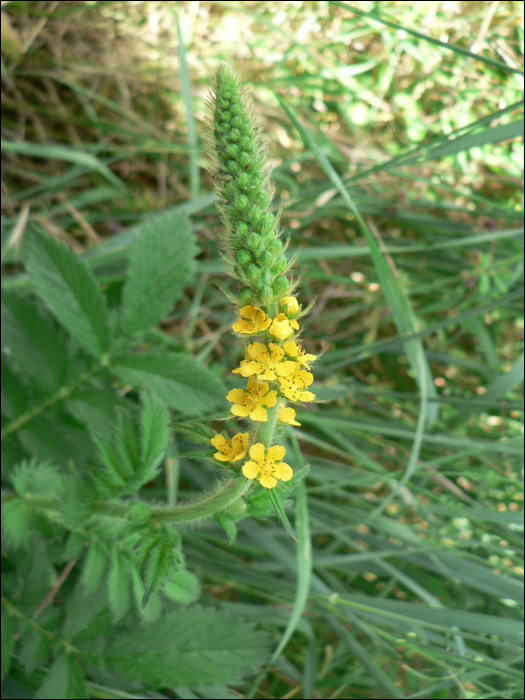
pixel 257 452
pixel 283 471
pixel 223 458
pixel 293 305
pixel 287 415
pixel 277 352
pixel 248 368
pixel 255 349
pixel 218 441
pixel 291 348
pixel 276 453
pixel 307 396
pixel 241 411
pixel 251 470
pixel 286 368
pixel 269 400
pixel 259 413
pixel 247 311
pixel 267 480
pixel 236 396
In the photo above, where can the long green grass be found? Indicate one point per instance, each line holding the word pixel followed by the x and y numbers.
pixel 397 134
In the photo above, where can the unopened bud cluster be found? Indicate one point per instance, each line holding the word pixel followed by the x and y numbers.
pixel 275 365
pixel 255 253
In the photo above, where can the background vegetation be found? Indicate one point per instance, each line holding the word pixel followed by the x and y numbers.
pixel 407 580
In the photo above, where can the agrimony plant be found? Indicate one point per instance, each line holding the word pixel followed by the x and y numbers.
pixel 275 366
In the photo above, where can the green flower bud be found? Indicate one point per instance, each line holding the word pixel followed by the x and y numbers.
pixel 275 247
pixel 242 202
pixel 266 294
pixel 253 273
pixel 280 266
pixel 245 295
pixel 280 285
pixel 232 149
pixel 254 242
pixel 235 135
pixel 265 259
pixel 243 258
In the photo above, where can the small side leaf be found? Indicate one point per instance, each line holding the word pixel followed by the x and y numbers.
pixel 157 559
pixel 8 641
pixel 119 583
pixel 94 568
pixel 280 512
pixel 70 290
pixel 162 262
pixel 197 433
pixel 154 432
pixel 64 680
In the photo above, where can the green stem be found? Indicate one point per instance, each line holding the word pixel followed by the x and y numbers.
pixel 266 430
pixel 229 493
pixel 63 393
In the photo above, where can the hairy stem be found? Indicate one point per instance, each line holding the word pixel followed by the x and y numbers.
pixel 228 494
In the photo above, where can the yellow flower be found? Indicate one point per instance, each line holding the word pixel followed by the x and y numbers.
pixel 253 320
pixel 266 365
pixel 267 467
pixel 281 327
pixel 251 402
pixel 287 415
pixel 293 305
pixel 297 352
pixel 231 450
pixel 294 385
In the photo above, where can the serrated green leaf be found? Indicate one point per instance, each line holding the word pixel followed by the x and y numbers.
pixel 34 650
pixel 58 438
pixel 162 262
pixel 71 292
pixel 228 525
pixel 30 338
pixel 194 647
pixel 119 582
pixel 182 381
pixel 8 641
pixel 158 563
pixel 154 431
pixel 34 478
pixel 16 396
pixel 65 679
pixel 94 568
pixel 127 443
pixel 17 524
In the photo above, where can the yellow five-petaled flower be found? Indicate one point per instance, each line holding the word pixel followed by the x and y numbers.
pixel 267 466
pixel 293 386
pixel 282 328
pixel 298 353
pixel 231 450
pixel 251 402
pixel 253 320
pixel 265 363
